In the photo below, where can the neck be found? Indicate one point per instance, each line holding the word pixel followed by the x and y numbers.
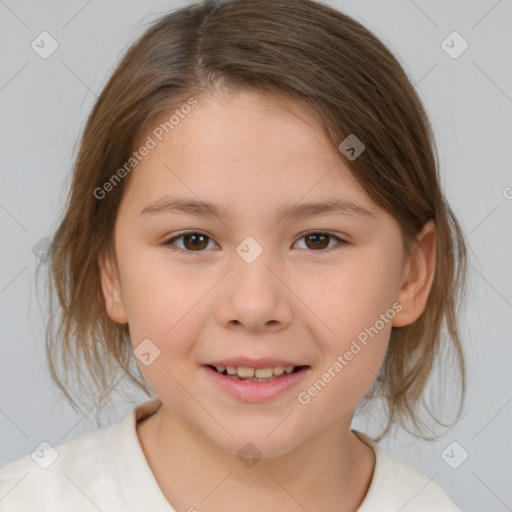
pixel 331 471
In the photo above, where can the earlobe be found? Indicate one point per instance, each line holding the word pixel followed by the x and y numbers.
pixel 418 278
pixel 111 287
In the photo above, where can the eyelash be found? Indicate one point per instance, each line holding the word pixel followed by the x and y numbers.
pixel 170 243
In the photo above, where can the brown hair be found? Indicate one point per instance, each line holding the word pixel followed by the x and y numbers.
pixel 324 61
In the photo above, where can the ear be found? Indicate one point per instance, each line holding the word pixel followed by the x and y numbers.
pixel 111 287
pixel 418 277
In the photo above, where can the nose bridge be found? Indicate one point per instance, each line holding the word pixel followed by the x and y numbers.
pixel 250 250
pixel 251 262
pixel 254 296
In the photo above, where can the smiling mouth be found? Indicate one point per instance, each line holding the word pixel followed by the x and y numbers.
pixel 248 374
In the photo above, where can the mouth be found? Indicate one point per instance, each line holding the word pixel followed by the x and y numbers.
pixel 255 384
pixel 250 374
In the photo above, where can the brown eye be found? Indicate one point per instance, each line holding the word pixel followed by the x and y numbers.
pixel 319 241
pixel 192 242
pixel 195 241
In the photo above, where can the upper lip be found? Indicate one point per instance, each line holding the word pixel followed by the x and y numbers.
pixel 264 362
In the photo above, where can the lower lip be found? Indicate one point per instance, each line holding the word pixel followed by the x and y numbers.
pixel 257 391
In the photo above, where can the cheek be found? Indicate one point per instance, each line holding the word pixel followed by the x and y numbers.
pixel 353 346
pixel 156 291
pixel 164 305
pixel 351 295
pixel 354 310
pixel 165 319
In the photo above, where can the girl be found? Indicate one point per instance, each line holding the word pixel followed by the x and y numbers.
pixel 256 236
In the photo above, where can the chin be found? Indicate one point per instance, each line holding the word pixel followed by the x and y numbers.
pixel 254 441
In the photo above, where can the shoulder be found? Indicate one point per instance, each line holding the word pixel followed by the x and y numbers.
pixel 104 470
pixel 58 477
pixel 396 486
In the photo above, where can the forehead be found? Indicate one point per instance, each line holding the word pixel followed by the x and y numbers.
pixel 242 147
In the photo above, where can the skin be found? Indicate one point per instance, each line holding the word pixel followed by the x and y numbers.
pixel 257 154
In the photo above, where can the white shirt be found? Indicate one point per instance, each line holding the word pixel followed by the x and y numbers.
pixel 108 471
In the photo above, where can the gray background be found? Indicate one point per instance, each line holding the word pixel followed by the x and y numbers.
pixel 44 104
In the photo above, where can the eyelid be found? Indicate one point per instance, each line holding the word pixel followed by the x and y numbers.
pixel 169 241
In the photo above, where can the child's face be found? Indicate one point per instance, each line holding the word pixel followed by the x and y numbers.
pixel 302 300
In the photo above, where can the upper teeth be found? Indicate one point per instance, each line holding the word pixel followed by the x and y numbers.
pixel 259 373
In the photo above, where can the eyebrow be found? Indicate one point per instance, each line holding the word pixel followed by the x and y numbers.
pixel 198 208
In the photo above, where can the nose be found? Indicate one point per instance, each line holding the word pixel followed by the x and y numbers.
pixel 254 297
